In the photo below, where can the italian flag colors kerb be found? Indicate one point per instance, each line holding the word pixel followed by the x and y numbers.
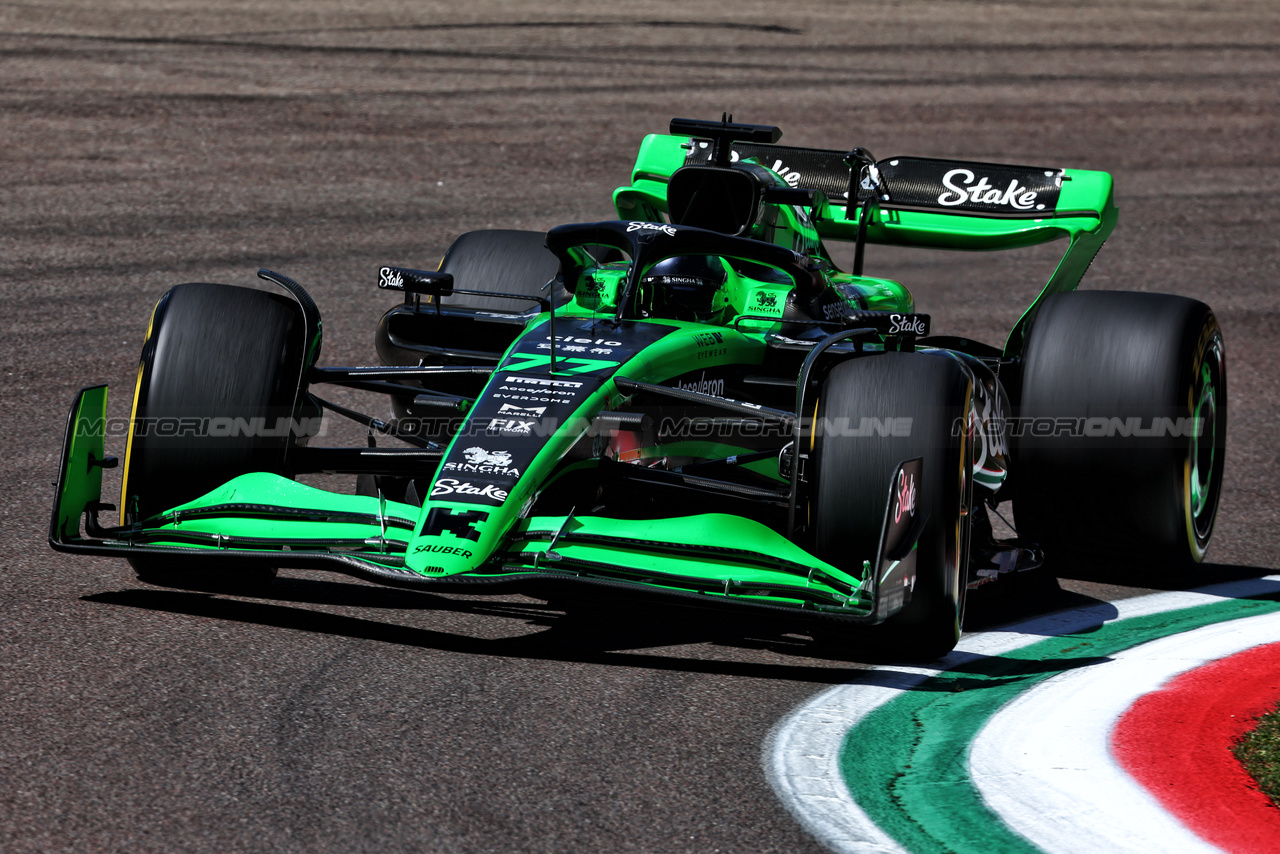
pixel 1106 728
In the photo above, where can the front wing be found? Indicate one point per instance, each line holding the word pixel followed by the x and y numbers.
pixel 713 558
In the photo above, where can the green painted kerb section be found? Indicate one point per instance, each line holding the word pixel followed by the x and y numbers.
pixel 906 763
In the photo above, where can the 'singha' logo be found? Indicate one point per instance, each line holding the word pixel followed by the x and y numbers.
pixel 479 456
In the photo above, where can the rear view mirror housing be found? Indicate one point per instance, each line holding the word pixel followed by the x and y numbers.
pixel 722 200
pixel 415 281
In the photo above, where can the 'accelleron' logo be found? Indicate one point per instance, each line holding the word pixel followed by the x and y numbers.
pixel 961 188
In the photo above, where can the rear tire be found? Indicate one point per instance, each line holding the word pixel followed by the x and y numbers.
pixel 212 352
pixel 514 262
pixel 1102 359
pixel 852 478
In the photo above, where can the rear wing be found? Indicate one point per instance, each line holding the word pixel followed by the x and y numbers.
pixel 941 204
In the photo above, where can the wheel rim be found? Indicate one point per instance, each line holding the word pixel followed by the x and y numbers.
pixel 1205 452
pixel 963 526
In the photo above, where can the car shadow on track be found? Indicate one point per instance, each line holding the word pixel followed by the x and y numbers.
pixel 614 634
pixel 603 629
pixel 1153 578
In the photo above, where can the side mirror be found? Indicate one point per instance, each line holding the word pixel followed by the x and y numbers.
pixel 415 281
pixel 723 200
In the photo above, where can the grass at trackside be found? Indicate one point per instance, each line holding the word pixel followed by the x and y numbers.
pixel 1259 753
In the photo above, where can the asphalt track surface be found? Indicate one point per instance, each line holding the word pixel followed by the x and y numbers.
pixel 147 144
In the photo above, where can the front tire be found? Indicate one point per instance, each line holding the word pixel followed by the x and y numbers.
pixel 853 472
pixel 220 366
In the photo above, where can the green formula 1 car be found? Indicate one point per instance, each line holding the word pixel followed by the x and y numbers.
pixel 692 400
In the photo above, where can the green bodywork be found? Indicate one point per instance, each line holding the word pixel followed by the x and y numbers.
pixel 714 556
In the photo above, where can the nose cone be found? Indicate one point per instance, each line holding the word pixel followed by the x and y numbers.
pixel 450 539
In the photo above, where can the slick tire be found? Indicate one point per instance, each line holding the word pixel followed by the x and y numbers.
pixel 852 476
pixel 1135 387
pixel 506 260
pixel 514 262
pixel 215 355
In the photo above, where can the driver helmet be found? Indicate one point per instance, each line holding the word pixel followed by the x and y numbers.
pixel 687 287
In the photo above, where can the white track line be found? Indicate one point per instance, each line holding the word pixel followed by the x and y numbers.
pixel 801 753
pixel 1044 763
pixel 801 760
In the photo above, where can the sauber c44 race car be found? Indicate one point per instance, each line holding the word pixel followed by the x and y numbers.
pixel 691 400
